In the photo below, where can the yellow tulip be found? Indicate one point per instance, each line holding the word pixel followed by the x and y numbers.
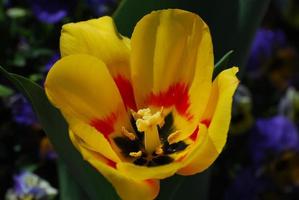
pixel 141 110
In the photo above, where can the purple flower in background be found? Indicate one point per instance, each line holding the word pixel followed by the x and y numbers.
pixel 51 12
pixel 102 7
pixel 265 43
pixel 51 62
pixel 248 185
pixel 271 137
pixel 30 186
pixel 22 111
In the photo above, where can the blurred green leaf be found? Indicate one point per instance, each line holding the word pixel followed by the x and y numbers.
pixel 2 13
pixel 16 12
pixel 36 77
pixel 55 126
pixel 37 52
pixel 70 189
pixel 181 187
pixel 222 63
pixel 30 167
pixel 5 91
pixel 19 60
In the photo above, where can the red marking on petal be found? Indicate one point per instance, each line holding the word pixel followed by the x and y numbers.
pixel 193 136
pixel 206 122
pixel 106 125
pixel 126 91
pixel 181 158
pixel 150 182
pixel 111 163
pixel 176 95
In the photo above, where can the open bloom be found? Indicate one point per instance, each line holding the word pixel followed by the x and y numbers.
pixel 143 109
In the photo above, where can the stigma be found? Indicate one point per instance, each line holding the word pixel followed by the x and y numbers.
pixel 147 123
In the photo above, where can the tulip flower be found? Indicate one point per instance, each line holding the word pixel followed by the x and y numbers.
pixel 142 109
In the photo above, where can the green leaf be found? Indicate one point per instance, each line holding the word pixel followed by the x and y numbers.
pixel 19 60
pixel 55 126
pixel 36 77
pixel 16 12
pixel 185 187
pixel 70 189
pixel 5 91
pixel 37 52
pixel 222 63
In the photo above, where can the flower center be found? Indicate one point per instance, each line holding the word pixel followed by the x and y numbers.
pixel 148 123
pixel 153 140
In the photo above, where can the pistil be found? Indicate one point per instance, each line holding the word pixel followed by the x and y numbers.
pixel 147 123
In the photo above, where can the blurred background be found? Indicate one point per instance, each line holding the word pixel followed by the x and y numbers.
pixel 261 158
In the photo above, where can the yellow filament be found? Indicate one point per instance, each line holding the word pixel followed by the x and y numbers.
pixel 127 134
pixel 159 150
pixel 172 138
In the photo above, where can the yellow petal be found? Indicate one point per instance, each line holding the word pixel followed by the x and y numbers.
pixel 201 155
pixel 81 87
pixel 172 64
pixel 143 172
pixel 92 139
pixel 226 84
pixel 99 38
pixel 219 112
pixel 127 187
pixel 202 82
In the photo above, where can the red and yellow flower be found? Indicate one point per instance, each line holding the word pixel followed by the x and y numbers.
pixel 141 110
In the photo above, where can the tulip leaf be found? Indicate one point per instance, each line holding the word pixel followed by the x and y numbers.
pixel 56 128
pixel 179 187
pixel 5 91
pixel 222 63
pixel 69 190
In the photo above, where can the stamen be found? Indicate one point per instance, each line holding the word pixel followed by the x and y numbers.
pixel 128 134
pixel 136 154
pixel 147 144
pixel 162 114
pixel 135 114
pixel 172 138
pixel 159 150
